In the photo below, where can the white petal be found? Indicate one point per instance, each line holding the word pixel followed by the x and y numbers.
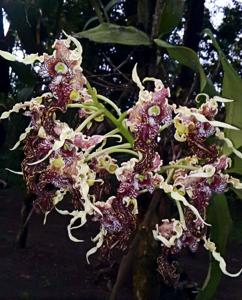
pixel 7 55
pixel 77 53
pixel 205 172
pixel 29 59
pixel 179 197
pixel 14 172
pixel 22 137
pixel 42 159
pixel 99 238
pixel 220 135
pixel 171 242
pixel 221 99
pixel 136 78
pixel 210 246
pixel 235 182
pixel 222 125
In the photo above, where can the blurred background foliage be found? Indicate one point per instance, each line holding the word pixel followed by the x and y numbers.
pixel 165 37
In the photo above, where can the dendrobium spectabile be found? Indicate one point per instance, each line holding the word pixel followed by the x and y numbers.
pixel 60 160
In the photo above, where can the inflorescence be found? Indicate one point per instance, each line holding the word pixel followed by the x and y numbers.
pixel 61 160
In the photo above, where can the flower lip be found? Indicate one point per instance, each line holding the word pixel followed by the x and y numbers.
pixel 154 111
pixel 61 68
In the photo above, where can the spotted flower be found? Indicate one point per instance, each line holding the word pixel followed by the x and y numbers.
pixel 104 187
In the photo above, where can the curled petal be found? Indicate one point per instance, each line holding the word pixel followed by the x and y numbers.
pixel 28 60
pixel 177 229
pixel 99 238
pixel 131 201
pixel 202 94
pixel 76 54
pixel 179 197
pixel 59 195
pixel 42 159
pixel 205 172
pixel 235 182
pixel 22 137
pixel 136 78
pixel 201 118
pixel 210 246
pixel 16 108
pixel 28 104
pixel 126 170
pixel 158 83
pixel 77 214
pixel 220 135
pixel 166 187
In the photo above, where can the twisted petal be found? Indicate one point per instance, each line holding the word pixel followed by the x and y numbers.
pixel 136 79
pixel 179 197
pixel 177 229
pixel 205 172
pixel 210 246
pixel 28 60
pixel 220 135
pixel 76 214
pixel 22 137
pixel 99 238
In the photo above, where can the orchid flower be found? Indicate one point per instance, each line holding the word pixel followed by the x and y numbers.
pixel 106 173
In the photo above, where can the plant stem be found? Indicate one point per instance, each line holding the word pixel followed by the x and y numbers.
pixel 111 103
pixel 124 151
pixel 87 120
pixel 170 174
pixel 180 211
pixel 109 150
pixel 80 105
pixel 123 130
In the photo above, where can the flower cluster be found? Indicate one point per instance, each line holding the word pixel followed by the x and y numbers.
pixel 61 160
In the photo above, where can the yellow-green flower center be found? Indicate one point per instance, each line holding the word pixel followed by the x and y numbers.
pixel 154 111
pixel 74 95
pixel 58 163
pixel 61 68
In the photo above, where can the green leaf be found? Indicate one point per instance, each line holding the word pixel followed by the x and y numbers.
pixel 171 15
pixel 232 89
pixel 238 193
pixel 188 58
pixel 114 34
pixel 220 219
pixel 236 165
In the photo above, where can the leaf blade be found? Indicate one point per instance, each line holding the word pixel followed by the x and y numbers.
pixel 114 34
pixel 188 58
pixel 232 88
pixel 171 15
